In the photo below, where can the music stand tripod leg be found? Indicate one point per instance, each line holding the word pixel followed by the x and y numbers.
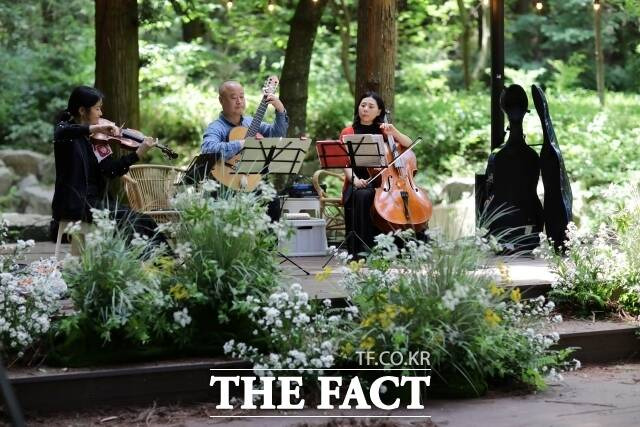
pixel 286 258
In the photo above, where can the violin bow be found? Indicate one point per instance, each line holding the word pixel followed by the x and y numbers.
pixel 416 142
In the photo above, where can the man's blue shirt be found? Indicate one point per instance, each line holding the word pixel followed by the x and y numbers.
pixel 216 136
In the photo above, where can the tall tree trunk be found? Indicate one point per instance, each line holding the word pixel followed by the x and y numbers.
pixel 192 27
pixel 117 59
pixel 48 19
pixel 522 7
pixel 464 42
pixel 483 41
pixel 376 51
pixel 341 10
pixel 297 61
pixel 597 23
pixel 294 90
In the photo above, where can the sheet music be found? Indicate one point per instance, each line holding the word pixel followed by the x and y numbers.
pixel 283 155
pixel 369 149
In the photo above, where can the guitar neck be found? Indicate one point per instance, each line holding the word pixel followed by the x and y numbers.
pixel 254 127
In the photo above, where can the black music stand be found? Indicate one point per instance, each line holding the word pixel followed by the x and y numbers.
pixel 359 150
pixel 273 156
pixel 199 169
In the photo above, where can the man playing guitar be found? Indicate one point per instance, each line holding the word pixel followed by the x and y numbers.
pixel 231 96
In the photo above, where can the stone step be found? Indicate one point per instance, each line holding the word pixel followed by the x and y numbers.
pixel 600 341
pixel 187 380
pixel 59 389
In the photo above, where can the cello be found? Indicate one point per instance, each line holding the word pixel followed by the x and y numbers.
pixel 399 203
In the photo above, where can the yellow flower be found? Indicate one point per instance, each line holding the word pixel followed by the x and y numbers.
pixel 515 295
pixel 405 310
pixel 504 272
pixel 324 274
pixel 355 266
pixel 384 320
pixel 367 343
pixel 368 321
pixel 347 349
pixel 161 264
pixel 391 310
pixel 491 317
pixel 178 292
pixel 495 290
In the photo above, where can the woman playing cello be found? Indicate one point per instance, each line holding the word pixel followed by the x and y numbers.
pixel 357 195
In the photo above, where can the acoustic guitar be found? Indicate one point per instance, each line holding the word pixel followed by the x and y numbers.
pixel 224 170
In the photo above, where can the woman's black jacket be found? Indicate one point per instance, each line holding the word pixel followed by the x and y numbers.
pixel 81 182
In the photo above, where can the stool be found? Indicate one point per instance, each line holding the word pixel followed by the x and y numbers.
pixel 76 244
pixel 310 238
pixel 299 204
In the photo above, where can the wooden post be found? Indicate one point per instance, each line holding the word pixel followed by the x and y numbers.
pixel 118 60
pixel 376 51
pixel 497 71
pixel 294 90
pixel 597 23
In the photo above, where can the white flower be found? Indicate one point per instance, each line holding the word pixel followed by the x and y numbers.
pixel 183 250
pixel 182 317
pixel 576 363
pixel 301 319
pixel 210 185
pixel 449 301
pixel 327 360
pixel 228 346
pixel 352 309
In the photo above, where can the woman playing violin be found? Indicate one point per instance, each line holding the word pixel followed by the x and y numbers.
pixel 82 168
pixel 368 119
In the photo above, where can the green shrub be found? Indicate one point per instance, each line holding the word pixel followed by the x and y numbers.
pixel 430 296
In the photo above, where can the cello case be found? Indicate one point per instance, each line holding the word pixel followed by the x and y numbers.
pixel 511 200
pixel 558 199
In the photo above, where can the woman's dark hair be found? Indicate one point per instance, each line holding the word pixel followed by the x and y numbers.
pixel 379 101
pixel 81 96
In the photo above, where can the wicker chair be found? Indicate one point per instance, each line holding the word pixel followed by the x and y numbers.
pixel 331 208
pixel 149 188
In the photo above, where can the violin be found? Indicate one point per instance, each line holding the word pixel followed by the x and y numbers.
pixel 399 203
pixel 129 139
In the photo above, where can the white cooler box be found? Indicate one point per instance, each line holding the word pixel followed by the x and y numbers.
pixel 309 238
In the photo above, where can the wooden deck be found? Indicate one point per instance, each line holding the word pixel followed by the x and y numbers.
pixel 531 275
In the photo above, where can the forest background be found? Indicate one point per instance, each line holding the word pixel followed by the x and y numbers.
pixel 187 47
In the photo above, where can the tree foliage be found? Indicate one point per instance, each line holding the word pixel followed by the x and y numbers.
pixel 187 47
